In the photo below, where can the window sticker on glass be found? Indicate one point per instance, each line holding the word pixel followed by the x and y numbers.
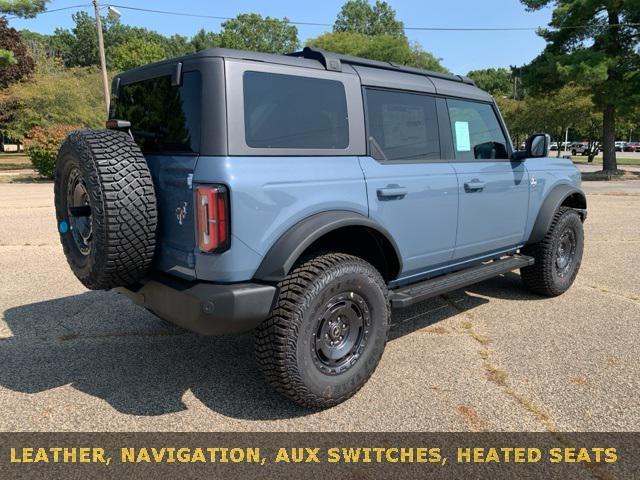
pixel 463 139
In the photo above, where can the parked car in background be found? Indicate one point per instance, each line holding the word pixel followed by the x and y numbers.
pixel 579 148
pixel 620 146
pixel 632 147
pixel 553 146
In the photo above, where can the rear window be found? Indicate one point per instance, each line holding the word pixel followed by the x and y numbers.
pixel 164 118
pixel 289 111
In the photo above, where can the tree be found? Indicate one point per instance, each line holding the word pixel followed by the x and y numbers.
pixel 135 53
pixel 79 46
pixel 22 8
pixel 53 95
pixel 361 17
pixel 514 114
pixel 594 43
pixel 250 31
pixel 378 47
pixel 204 39
pixel 497 81
pixel 15 61
pixel 178 45
pixel 15 68
pixel 554 112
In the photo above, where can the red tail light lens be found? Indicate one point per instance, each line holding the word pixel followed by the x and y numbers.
pixel 212 209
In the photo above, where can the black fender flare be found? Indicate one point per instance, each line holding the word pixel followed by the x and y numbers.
pixel 282 255
pixel 554 199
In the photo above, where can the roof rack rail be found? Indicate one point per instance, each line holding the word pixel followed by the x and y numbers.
pixel 333 61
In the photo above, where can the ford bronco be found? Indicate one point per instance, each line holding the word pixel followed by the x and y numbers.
pixel 305 196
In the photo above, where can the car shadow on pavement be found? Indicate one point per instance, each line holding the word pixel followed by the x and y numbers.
pixel 104 346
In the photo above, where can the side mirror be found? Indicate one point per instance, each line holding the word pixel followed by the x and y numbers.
pixel 538 145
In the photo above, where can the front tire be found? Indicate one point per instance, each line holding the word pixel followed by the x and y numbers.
pixel 557 257
pixel 327 331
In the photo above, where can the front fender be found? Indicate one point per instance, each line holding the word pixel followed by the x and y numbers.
pixel 550 205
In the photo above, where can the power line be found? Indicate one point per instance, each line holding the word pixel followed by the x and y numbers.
pixel 86 5
pixel 316 24
pixel 441 29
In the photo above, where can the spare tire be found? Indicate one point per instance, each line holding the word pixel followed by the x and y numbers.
pixel 105 207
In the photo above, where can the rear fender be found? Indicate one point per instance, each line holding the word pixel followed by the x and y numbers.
pixel 281 257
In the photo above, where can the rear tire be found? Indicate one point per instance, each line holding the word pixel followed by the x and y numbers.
pixel 557 257
pixel 105 207
pixel 327 331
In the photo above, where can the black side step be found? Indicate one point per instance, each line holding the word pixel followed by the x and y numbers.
pixel 406 296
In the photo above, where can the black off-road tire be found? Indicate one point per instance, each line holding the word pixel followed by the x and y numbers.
pixel 104 189
pixel 544 276
pixel 287 344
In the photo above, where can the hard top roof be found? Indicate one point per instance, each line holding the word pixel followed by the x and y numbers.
pixel 319 59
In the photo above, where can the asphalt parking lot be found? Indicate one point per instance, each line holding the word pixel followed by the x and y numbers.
pixel 492 357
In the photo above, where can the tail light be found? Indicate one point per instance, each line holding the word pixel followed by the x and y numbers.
pixel 212 209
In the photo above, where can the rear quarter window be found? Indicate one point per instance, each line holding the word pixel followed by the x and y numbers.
pixel 290 111
pixel 164 118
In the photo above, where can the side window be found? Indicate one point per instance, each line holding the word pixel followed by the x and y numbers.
pixel 476 131
pixel 403 125
pixel 290 111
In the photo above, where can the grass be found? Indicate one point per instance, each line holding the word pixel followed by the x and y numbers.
pixel 14 161
pixel 598 160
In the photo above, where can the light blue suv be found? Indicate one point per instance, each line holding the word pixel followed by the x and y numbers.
pixel 305 196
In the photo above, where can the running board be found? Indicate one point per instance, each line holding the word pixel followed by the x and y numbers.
pixel 407 296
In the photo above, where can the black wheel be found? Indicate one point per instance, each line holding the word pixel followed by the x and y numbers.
pixel 573 152
pixel 105 207
pixel 327 331
pixel 557 256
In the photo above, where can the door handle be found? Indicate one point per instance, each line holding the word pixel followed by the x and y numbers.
pixel 392 192
pixel 474 185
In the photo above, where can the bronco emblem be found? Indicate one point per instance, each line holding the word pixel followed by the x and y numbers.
pixel 181 213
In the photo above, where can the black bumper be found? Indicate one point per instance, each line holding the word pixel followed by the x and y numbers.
pixel 205 308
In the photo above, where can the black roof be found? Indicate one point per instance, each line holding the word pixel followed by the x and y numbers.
pixel 334 61
pixel 313 58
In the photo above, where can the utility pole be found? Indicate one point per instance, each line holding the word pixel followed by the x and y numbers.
pixel 103 61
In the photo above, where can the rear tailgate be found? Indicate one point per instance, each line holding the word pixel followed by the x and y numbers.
pixel 176 221
pixel 165 117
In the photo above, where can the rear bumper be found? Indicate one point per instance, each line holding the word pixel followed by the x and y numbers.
pixel 202 307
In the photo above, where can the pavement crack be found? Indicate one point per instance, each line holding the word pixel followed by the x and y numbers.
pixel 626 296
pixel 497 375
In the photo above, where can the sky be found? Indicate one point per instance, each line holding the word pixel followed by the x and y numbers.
pixel 459 51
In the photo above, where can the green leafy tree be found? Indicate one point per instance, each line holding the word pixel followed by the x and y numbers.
pixel 250 31
pixel 594 43
pixel 361 17
pixel 497 81
pixel 135 53
pixel 177 45
pixel 386 48
pixel 513 112
pixel 204 39
pixel 53 95
pixel 568 107
pixel 79 46
pixel 22 8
